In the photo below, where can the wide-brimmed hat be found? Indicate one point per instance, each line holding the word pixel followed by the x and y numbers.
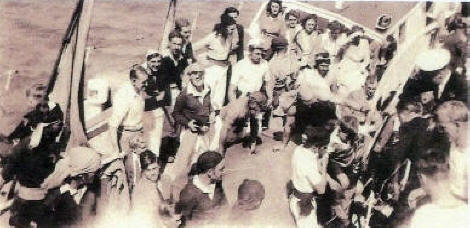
pixel 433 59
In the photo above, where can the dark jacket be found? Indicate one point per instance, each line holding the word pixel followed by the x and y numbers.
pixel 31 119
pixel 455 89
pixel 196 205
pixel 241 36
pixel 172 73
pixel 156 84
pixel 188 107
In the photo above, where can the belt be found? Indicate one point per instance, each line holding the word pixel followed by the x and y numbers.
pixel 130 129
pixel 218 62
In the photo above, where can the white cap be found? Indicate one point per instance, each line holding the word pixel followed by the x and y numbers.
pixel 433 59
pixel 152 52
pixel 256 43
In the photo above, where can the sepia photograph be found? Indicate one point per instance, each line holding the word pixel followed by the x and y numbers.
pixel 227 113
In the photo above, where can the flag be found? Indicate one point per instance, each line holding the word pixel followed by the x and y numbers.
pixel 66 83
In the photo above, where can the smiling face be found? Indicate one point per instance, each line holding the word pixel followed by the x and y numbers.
pixel 310 25
pixel 197 78
pixel 291 21
pixel 275 9
pixel 154 62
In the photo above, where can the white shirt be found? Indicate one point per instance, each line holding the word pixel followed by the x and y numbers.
pixel 442 86
pixel 333 46
pixel 207 189
pixel 305 170
pixel 311 85
pixel 128 108
pixel 249 77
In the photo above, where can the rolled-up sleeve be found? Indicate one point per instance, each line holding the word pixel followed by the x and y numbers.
pixel 120 108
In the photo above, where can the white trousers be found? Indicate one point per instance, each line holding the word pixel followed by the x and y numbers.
pixel 155 134
pixel 176 174
pixel 216 79
pixel 309 221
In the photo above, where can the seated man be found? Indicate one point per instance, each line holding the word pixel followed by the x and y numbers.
pixel 203 195
pixel 234 117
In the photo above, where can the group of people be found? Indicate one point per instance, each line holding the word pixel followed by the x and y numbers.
pixel 161 153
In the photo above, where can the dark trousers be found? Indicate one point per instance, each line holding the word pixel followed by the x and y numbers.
pixel 23 212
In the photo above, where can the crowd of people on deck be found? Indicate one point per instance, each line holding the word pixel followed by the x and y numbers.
pixel 160 156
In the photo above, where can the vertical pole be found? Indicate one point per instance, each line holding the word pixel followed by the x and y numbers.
pixel 77 136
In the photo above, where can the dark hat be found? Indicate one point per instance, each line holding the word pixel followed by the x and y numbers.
pixel 250 194
pixel 383 22
pixel 206 161
pixel 279 43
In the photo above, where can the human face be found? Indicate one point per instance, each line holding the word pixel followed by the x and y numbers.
pixel 275 9
pixel 310 25
pixel 35 99
pixel 216 173
pixel 230 29
pixel 323 68
pixel 197 78
pixel 256 55
pixel 138 82
pixel 154 63
pixel 152 172
pixel 186 32
pixel 233 15
pixel 335 33
pixel 175 45
pixel 291 21
pixel 370 90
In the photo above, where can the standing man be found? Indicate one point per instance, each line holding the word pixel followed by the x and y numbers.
pixel 251 75
pixel 173 65
pixel 157 97
pixel 126 122
pixel 191 112
pixel 309 177
pixel 183 27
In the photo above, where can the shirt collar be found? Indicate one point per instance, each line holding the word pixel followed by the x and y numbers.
pixel 206 189
pixel 172 57
pixel 191 90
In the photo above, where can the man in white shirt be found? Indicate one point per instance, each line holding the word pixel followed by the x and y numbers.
pixel 127 119
pixel 251 74
pixel 309 176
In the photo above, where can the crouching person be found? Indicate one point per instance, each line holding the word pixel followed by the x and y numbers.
pixel 309 177
pixel 72 187
pixel 234 117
